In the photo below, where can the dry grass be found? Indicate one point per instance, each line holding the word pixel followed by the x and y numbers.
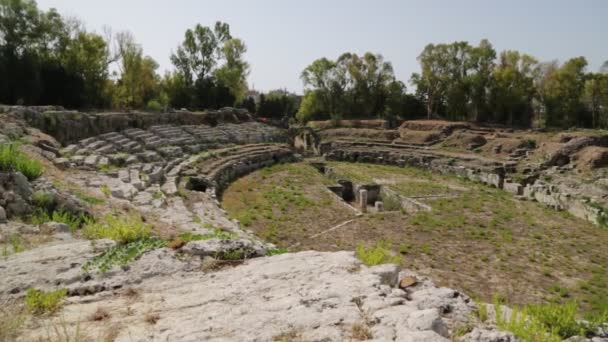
pixel 12 318
pixel 100 314
pixel 361 332
pixel 278 202
pixel 292 335
pixel 151 318
pixel 482 241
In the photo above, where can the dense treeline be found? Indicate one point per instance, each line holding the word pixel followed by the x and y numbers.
pixel 463 82
pixel 48 59
pixel 355 86
pixel 459 81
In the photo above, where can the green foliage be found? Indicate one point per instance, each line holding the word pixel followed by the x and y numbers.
pixel 105 190
pixel 216 234
pixel 12 159
pixel 391 202
pixel 46 59
pixel 73 221
pixel 154 106
pixel 16 243
pixel 276 251
pixel 379 254
pixel 278 104
pixel 122 254
pixel 547 322
pixel 354 86
pixel 120 229
pixel 482 311
pixel 41 302
pixel 43 199
pixel 89 199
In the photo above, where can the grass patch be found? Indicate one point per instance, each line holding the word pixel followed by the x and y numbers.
pixel 12 159
pixel 391 202
pixel 547 322
pixel 376 255
pixel 16 244
pixel 122 230
pixel 276 251
pixel 74 222
pixel 12 318
pixel 123 254
pixel 40 302
pixel 89 199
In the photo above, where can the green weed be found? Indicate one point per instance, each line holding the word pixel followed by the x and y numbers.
pixel 12 159
pixel 122 254
pixel 40 302
pixel 379 254
pixel 121 230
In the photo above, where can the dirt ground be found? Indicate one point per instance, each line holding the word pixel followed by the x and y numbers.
pixel 477 239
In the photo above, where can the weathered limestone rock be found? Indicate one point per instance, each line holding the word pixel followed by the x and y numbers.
pixel 514 188
pixel 62 163
pixel 486 335
pixel 241 248
pixel 313 295
pixel 54 227
pixel 124 191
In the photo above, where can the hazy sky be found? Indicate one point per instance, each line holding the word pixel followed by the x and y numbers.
pixel 283 36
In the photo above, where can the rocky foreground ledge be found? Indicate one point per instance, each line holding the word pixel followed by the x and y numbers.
pixel 306 296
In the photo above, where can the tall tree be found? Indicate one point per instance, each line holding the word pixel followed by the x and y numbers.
pixel 138 82
pixel 595 98
pixel 563 94
pixel 513 88
pixel 233 74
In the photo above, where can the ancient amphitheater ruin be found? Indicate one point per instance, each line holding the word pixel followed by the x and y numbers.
pixel 212 268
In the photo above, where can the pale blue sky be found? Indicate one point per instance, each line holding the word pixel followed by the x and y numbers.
pixel 283 37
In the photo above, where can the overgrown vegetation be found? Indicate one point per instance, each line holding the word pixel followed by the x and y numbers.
pixel 12 318
pixel 41 302
pixel 73 221
pixel 13 159
pixel 525 250
pixel 378 254
pixel 122 254
pixel 549 322
pixel 123 229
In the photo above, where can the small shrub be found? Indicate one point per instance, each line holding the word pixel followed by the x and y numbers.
pixel 40 302
pixel 12 318
pixel 121 230
pixel 361 332
pixel 237 254
pixel 105 190
pixel 43 199
pixel 122 254
pixel 547 322
pixel 12 159
pixel 482 311
pixel 559 318
pixel 379 254
pixel 391 203
pixel 74 222
pixel 154 106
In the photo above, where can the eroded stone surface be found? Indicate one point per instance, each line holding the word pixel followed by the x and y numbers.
pixel 314 295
